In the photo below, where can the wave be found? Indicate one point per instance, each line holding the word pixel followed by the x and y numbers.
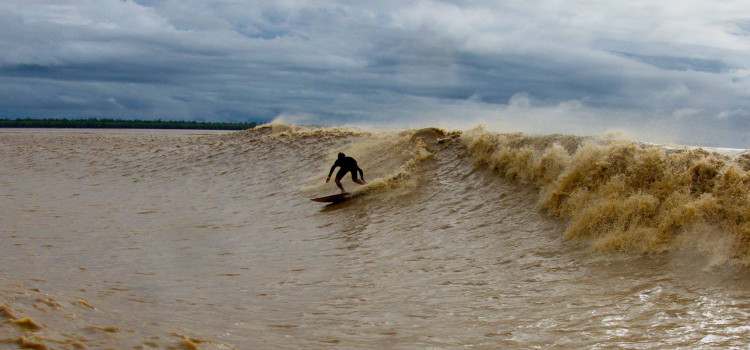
pixel 630 196
pixel 232 201
pixel 620 195
pixel 390 158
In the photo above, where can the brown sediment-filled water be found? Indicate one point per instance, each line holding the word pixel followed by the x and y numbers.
pixel 185 239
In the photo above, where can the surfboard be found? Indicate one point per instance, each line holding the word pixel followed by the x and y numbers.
pixel 334 198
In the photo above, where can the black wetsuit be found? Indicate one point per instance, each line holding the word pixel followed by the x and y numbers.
pixel 347 164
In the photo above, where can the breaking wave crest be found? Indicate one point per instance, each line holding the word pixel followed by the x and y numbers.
pixel 391 158
pixel 628 196
pixel 619 195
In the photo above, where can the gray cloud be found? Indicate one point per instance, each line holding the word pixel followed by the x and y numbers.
pixel 677 73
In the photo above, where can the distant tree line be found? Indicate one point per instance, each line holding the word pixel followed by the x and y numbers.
pixel 94 123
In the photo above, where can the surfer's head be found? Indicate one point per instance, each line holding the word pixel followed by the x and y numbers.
pixel 341 155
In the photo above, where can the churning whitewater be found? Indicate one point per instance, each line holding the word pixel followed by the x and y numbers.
pixel 208 240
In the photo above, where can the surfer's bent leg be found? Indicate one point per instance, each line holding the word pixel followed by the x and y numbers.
pixel 339 176
pixel 355 179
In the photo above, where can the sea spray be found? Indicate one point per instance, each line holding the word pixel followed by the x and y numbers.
pixel 624 195
pixel 389 158
pixel 394 158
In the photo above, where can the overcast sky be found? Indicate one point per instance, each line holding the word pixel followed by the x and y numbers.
pixel 657 70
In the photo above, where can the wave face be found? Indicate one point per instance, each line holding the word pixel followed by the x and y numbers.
pixel 183 239
pixel 628 196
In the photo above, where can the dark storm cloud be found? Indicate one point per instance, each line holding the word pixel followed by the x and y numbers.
pixel 100 71
pixel 540 67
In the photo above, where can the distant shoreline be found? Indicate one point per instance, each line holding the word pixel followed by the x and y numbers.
pixel 93 123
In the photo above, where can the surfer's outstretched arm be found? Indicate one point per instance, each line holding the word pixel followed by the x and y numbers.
pixel 331 172
pixel 361 179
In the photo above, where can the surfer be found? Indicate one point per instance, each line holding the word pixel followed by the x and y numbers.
pixel 347 164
